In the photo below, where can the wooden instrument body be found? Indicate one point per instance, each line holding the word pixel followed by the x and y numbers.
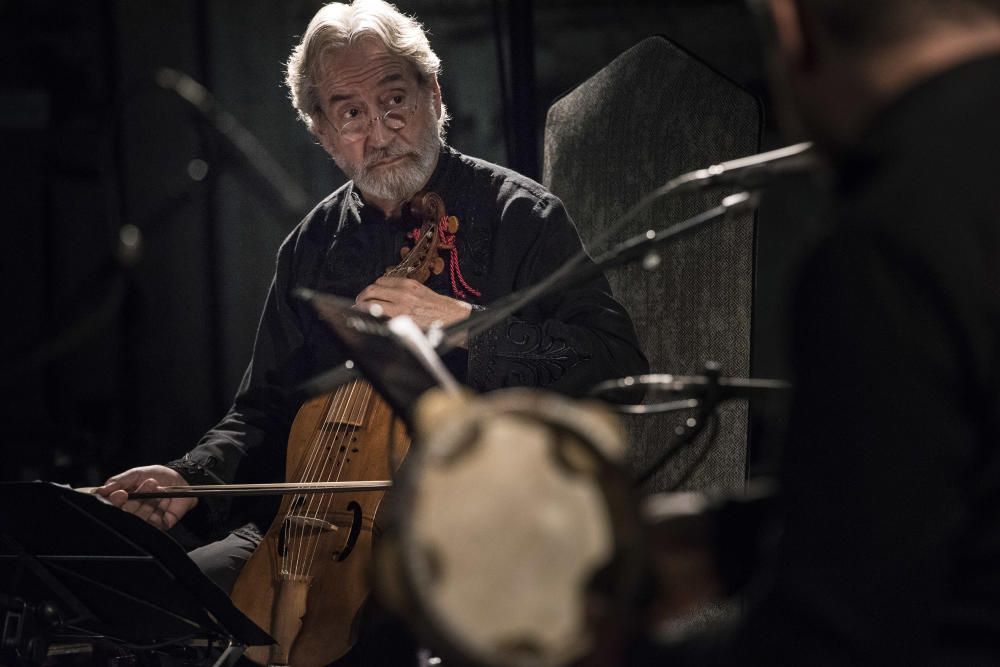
pixel 309 577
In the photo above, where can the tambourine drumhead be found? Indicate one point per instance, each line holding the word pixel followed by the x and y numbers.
pixel 503 518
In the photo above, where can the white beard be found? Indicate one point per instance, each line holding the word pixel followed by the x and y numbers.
pixel 400 181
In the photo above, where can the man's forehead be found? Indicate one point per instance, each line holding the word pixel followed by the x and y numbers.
pixel 362 65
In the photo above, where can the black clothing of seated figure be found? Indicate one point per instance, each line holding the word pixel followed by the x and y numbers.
pixel 891 548
pixel 890 551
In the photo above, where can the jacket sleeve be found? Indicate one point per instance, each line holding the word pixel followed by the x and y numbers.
pixel 567 342
pixel 259 419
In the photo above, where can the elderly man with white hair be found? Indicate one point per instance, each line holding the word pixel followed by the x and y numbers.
pixel 364 80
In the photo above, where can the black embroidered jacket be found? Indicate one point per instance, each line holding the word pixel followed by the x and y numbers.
pixel 512 233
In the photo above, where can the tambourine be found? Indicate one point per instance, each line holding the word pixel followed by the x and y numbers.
pixel 512 533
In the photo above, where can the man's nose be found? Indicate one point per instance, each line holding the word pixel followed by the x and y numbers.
pixel 378 134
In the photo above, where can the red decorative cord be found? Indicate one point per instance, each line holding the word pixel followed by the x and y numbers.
pixel 446 241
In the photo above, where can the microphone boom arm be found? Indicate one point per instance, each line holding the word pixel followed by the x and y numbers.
pixel 573 273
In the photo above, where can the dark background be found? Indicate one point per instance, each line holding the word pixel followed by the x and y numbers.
pixel 110 360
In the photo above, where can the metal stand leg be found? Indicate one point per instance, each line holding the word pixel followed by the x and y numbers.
pixel 230 655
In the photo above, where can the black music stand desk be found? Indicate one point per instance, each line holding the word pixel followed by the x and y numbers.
pixel 89 571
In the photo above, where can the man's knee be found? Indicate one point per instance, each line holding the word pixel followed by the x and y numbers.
pixel 222 561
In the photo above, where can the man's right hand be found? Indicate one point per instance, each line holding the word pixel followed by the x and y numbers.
pixel 160 512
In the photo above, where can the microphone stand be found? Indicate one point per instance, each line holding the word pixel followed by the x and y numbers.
pixel 749 173
pixel 691 429
pixel 573 272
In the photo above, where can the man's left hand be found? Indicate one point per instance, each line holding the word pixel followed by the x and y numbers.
pixel 404 296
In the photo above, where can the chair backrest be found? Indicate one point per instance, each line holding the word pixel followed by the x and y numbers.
pixel 653 113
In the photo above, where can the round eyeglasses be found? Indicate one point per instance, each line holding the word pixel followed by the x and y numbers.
pixel 360 125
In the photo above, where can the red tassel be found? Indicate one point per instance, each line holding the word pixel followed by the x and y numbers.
pixel 446 241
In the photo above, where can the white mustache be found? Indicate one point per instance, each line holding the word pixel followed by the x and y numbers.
pixel 380 154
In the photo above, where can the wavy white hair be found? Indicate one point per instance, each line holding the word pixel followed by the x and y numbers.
pixel 338 25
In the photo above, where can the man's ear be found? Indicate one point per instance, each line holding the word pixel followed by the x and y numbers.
pixel 788 31
pixel 800 38
pixel 787 60
pixel 323 132
pixel 436 92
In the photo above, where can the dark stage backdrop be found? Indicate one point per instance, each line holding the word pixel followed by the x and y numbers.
pixel 108 361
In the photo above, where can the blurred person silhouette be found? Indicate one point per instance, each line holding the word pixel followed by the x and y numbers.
pixel 889 551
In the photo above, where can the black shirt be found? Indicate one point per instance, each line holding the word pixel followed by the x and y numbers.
pixel 512 233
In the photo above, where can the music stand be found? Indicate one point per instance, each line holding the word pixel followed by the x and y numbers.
pixel 75 568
